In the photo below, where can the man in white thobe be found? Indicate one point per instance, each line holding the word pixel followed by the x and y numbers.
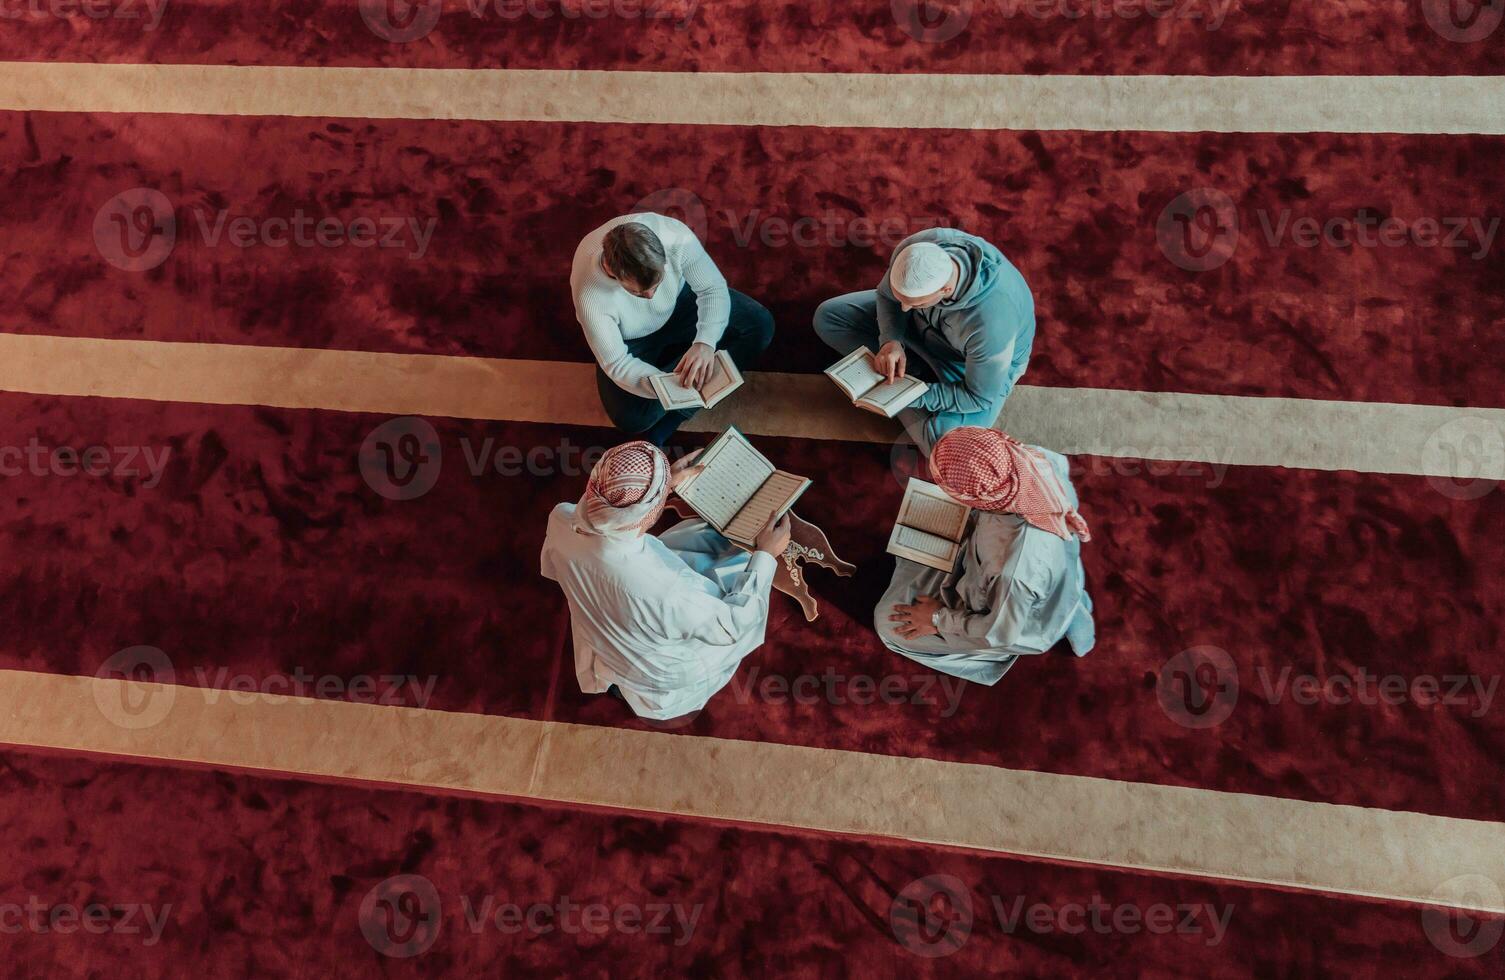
pixel 665 620
pixel 1019 587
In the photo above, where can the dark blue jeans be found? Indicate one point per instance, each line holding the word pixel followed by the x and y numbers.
pixel 748 334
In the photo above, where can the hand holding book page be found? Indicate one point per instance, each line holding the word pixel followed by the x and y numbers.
pixel 737 490
pixel 930 526
pixel 722 381
pixel 857 375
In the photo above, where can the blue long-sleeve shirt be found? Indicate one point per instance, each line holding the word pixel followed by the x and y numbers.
pixel 988 325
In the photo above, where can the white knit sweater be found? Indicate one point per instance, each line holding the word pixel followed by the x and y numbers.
pixel 611 315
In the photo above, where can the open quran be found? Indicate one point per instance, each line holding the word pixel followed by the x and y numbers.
pixel 724 379
pixel 862 382
pixel 737 490
pixel 930 528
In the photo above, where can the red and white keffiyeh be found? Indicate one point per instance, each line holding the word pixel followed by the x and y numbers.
pixel 627 490
pixel 991 470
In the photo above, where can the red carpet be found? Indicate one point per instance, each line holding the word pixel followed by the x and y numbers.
pixel 1190 37
pixel 253 546
pixel 508 204
pixel 250 876
pixel 263 552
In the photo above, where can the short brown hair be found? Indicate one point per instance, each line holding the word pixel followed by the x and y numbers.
pixel 632 252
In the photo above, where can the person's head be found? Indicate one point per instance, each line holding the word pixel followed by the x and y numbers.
pixel 922 276
pixel 974 466
pixel 992 471
pixel 633 255
pixel 627 491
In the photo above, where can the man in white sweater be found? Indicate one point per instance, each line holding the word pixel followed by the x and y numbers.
pixel 651 300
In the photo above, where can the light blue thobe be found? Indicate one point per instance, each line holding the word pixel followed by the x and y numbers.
pixel 1017 592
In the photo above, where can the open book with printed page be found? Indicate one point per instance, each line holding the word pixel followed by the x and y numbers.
pixel 862 382
pixel 724 379
pixel 930 528
pixel 737 490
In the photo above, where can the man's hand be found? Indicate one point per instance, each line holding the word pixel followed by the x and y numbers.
pixel 695 367
pixel 891 361
pixel 683 469
pixel 917 620
pixel 775 536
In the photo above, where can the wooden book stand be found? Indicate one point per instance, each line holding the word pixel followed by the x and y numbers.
pixel 807 545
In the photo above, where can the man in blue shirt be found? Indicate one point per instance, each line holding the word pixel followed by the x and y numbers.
pixel 955 302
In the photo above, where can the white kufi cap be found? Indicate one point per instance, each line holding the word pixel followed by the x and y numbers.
pixel 921 269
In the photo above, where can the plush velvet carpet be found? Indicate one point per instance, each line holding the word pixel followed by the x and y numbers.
pixel 1192 37
pixel 263 551
pixel 792 216
pixel 232 875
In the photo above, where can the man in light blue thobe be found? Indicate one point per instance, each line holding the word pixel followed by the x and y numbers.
pixel 1017 591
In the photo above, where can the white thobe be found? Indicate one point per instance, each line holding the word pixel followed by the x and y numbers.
pixel 1017 591
pixel 666 619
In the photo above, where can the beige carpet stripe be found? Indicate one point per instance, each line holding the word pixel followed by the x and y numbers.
pixel 1461 444
pixel 1161 103
pixel 1346 850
